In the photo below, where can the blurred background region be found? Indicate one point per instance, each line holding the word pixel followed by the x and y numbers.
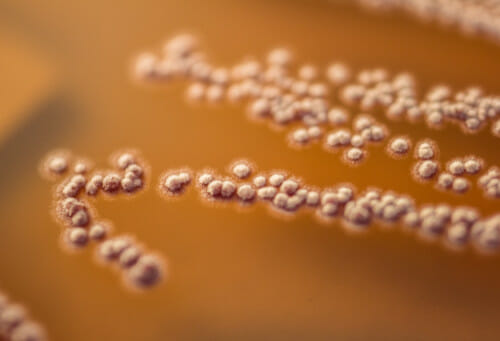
pixel 233 276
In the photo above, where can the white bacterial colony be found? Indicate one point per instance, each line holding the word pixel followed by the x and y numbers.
pixel 490 183
pixel 16 324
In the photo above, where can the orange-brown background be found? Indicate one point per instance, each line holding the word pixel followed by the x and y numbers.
pixel 234 276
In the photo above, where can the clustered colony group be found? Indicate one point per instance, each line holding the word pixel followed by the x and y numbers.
pixel 278 95
pixel 285 193
pixel 80 183
pixel 475 17
pixel 16 324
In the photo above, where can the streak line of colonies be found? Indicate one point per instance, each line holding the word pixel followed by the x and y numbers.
pixel 286 194
pixel 479 18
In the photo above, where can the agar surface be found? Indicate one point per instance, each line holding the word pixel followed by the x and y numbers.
pixel 274 93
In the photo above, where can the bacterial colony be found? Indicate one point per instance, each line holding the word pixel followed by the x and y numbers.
pixel 318 104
